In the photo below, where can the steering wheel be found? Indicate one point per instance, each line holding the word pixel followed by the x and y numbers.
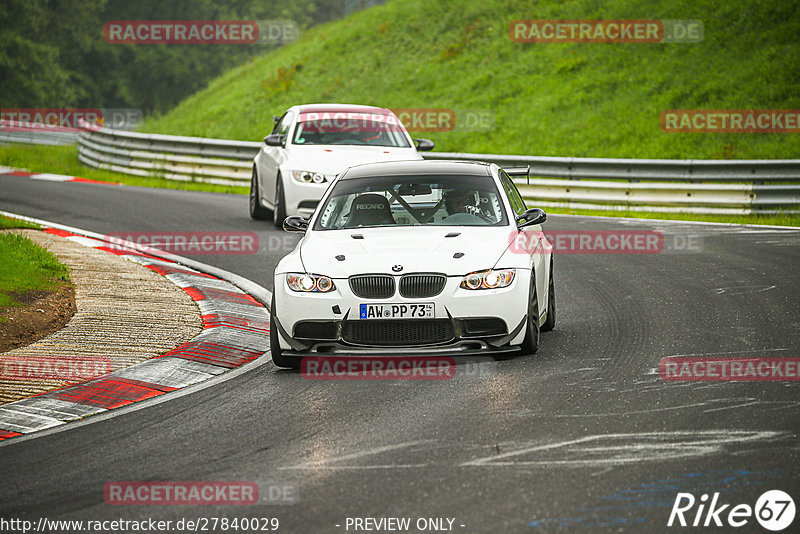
pixel 483 216
pixel 477 212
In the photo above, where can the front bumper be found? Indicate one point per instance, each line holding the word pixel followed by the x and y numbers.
pixel 461 344
pixel 464 322
pixel 302 197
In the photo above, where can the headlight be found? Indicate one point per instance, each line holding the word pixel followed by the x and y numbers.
pixel 308 177
pixel 489 279
pixel 309 283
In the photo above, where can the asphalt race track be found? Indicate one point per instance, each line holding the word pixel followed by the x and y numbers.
pixel 585 436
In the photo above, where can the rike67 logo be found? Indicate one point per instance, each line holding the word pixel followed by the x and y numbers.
pixel 774 511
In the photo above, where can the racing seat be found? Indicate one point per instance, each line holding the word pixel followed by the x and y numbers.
pixel 369 210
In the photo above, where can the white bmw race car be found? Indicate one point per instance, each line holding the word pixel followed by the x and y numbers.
pixel 414 258
pixel 311 144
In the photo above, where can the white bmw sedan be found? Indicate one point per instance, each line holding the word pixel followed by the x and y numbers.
pixel 414 258
pixel 311 144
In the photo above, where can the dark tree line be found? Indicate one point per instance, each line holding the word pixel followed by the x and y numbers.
pixel 53 54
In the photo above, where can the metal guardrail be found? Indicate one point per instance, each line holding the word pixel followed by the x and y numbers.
pixel 699 186
pixel 35 136
pixel 659 185
pixel 683 170
pixel 215 161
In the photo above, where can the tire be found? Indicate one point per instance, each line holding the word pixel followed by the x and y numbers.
pixel 257 211
pixel 280 204
pixel 550 322
pixel 275 347
pixel 530 344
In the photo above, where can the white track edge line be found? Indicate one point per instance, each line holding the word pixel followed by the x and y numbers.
pixel 141 405
pixel 261 294
pixel 223 377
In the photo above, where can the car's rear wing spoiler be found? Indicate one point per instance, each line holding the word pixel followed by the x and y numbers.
pixel 519 172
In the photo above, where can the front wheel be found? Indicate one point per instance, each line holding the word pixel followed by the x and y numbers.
pixel 257 211
pixel 280 204
pixel 530 344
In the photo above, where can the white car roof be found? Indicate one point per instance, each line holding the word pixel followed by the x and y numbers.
pixel 346 108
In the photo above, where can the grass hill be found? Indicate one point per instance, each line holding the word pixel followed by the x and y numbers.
pixel 590 100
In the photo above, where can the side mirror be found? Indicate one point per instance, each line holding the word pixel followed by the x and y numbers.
pixel 423 145
pixel 295 223
pixel 274 140
pixel 530 217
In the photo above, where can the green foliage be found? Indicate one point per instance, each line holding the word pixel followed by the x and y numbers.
pixel 281 81
pixel 26 267
pixel 53 53
pixel 590 100
pixel 7 223
pixel 31 68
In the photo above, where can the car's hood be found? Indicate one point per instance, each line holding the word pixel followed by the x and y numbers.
pixel 416 249
pixel 333 159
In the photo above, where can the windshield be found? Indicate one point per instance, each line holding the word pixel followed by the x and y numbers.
pixel 412 200
pixel 350 129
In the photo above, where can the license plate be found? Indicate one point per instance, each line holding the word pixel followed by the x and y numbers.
pixel 421 310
